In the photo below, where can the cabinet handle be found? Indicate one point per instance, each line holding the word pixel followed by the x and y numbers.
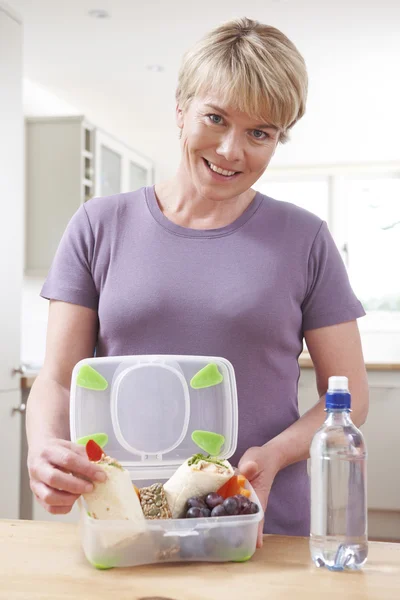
pixel 19 409
pixel 21 370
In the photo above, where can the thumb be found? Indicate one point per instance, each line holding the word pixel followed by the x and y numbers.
pixel 249 468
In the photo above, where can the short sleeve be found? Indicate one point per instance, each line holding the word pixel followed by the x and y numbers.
pixel 70 277
pixel 329 298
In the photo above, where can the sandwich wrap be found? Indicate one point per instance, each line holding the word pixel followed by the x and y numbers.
pixel 195 477
pixel 115 499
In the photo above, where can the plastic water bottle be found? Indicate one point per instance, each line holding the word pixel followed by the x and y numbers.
pixel 338 538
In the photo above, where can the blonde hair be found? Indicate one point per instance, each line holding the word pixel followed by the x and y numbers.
pixel 256 69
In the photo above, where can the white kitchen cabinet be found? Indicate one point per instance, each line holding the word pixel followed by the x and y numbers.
pixel 381 432
pixel 68 161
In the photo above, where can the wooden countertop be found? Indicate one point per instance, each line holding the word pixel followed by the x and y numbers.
pixel 44 561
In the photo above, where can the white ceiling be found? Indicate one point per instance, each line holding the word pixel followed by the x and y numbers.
pixel 100 65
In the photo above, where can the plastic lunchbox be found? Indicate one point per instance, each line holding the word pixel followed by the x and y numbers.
pixel 149 406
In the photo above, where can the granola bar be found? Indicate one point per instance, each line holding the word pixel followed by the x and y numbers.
pixel 154 502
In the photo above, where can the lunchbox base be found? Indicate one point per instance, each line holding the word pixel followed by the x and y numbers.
pixel 101 567
pixel 109 544
pixel 212 546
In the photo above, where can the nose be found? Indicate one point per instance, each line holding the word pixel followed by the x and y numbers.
pixel 231 146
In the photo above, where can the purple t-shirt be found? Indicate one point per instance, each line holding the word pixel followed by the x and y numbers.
pixel 246 292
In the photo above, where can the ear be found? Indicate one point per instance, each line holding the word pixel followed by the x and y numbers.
pixel 179 116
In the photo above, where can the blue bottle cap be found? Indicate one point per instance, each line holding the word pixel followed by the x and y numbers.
pixel 338 396
pixel 338 400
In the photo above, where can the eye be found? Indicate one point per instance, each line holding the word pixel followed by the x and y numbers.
pixel 215 119
pixel 260 135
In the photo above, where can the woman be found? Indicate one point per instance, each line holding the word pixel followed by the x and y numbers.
pixel 203 264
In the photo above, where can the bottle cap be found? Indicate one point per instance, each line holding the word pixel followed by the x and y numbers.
pixel 338 395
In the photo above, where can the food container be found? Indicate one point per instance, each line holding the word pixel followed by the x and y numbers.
pixel 149 406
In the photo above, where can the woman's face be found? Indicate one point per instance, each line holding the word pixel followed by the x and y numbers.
pixel 224 151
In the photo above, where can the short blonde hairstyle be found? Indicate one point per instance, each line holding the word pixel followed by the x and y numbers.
pixel 255 67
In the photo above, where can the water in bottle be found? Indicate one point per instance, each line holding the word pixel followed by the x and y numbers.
pixel 338 538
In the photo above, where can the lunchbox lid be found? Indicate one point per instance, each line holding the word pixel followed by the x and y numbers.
pixel 149 406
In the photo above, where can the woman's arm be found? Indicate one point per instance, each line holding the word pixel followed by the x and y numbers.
pixel 71 336
pixel 335 350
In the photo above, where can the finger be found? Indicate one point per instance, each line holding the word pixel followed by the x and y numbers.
pixel 59 480
pixel 59 510
pixel 72 462
pixel 249 469
pixel 48 496
pixel 77 448
pixel 54 510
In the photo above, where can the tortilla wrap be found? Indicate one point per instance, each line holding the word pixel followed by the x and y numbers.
pixel 116 499
pixel 196 480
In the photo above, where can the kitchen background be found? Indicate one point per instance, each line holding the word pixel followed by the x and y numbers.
pixel 87 108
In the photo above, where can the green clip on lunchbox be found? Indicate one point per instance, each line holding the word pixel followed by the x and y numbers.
pixel 148 407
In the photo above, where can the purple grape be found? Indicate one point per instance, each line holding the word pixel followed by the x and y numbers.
pixel 246 510
pixel 213 500
pixel 196 502
pixel 218 511
pixel 231 505
pixel 194 513
pixel 253 508
pixel 205 512
pixel 241 497
pixel 244 502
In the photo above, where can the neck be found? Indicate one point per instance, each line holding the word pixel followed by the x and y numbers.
pixel 335 416
pixel 182 204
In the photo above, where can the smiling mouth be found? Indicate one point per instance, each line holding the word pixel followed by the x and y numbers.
pixel 220 171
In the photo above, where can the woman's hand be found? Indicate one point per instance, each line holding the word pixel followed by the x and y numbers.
pixel 59 473
pixel 260 465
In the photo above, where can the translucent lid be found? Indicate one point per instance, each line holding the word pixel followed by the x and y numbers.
pixel 150 405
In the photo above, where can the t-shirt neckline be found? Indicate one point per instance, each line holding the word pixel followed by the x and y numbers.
pixel 159 216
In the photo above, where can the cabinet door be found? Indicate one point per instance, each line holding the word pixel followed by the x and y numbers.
pixel 109 166
pixel 11 257
pixel 10 452
pixel 137 176
pixel 139 171
pixel 381 432
pixel 118 168
pixel 307 390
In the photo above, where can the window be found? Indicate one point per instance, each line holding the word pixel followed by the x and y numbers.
pixel 373 235
pixel 361 205
pixel 311 194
